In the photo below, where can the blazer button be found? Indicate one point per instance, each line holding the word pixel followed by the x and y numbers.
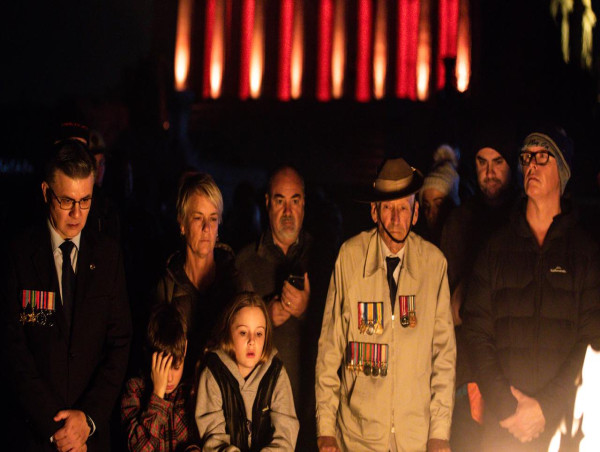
pixel 71 355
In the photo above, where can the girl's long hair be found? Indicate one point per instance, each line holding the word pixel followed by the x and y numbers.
pixel 240 301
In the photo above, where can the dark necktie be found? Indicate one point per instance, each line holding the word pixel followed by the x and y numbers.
pixel 68 281
pixel 392 263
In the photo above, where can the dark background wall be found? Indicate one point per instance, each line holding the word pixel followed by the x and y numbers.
pixel 109 63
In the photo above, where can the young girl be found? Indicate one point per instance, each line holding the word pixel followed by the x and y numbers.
pixel 244 394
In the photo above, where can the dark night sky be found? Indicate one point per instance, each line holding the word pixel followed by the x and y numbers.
pixel 71 48
pixel 105 49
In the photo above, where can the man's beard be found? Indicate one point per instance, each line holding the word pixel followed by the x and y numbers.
pixel 287 227
pixel 492 188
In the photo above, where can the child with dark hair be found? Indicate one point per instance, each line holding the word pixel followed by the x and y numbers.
pixel 245 400
pixel 154 410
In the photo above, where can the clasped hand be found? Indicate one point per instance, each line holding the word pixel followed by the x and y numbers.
pixel 73 435
pixel 528 421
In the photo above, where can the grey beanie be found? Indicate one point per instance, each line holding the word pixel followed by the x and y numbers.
pixel 560 145
pixel 443 177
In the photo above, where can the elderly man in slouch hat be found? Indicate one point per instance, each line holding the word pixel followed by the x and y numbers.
pixel 387 325
pixel 533 305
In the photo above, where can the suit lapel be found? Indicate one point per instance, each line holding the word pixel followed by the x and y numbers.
pixel 85 268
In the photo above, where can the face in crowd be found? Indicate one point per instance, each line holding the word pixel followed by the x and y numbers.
pixel 493 173
pixel 69 201
pixel 200 225
pixel 432 203
pixel 285 206
pixel 248 337
pixel 395 218
pixel 541 176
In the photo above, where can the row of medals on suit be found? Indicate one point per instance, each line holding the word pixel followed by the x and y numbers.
pixel 37 307
pixel 371 358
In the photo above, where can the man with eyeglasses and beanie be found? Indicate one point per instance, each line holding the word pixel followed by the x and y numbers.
pixel 386 361
pixel 533 305
pixel 66 318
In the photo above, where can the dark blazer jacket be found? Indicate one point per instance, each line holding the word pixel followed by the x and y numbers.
pixel 50 368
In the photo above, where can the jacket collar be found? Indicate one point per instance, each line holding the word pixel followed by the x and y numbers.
pixel 566 219
pixel 267 249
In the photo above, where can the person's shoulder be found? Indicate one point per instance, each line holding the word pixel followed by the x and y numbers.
pixel 29 238
pixel 135 385
pixel 358 242
pixel 424 248
pixel 247 253
pixel 224 254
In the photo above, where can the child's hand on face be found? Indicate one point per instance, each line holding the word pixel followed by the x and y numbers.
pixel 161 365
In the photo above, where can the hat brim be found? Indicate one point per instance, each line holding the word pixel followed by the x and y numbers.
pixel 372 195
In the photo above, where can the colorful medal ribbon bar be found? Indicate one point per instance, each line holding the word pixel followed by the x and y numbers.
pixel 404 320
pixel 384 360
pixel 370 317
pixel 412 314
pixel 367 357
pixel 37 307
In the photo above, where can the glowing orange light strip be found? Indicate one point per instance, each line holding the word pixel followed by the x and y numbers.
pixel 297 50
pixel 217 55
pixel 424 51
pixel 380 50
pixel 182 44
pixel 463 53
pixel 338 57
pixel 257 52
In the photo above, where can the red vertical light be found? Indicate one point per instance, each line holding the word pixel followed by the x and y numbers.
pixel 408 38
pixel 448 35
pixel 285 48
pixel 324 50
pixel 208 32
pixel 364 49
pixel 245 46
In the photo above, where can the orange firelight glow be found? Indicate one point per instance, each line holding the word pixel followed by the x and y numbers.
pixel 463 52
pixel 380 50
pixel 182 44
pixel 257 52
pixel 217 54
pixel 338 49
pixel 424 51
pixel 297 51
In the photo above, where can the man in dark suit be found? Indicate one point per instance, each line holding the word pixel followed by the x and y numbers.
pixel 66 316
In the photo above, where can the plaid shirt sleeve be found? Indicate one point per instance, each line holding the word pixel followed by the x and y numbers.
pixel 145 426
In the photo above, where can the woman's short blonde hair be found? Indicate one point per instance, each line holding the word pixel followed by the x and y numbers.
pixel 241 301
pixel 198 183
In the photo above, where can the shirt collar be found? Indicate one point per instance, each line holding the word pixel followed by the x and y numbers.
pixel 57 240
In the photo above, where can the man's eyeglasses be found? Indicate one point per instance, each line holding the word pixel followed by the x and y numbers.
pixel 68 203
pixel 541 157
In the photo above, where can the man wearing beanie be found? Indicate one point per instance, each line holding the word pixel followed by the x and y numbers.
pixel 465 231
pixel 439 194
pixel 533 305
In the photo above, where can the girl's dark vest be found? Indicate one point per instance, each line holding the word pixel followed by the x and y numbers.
pixel 237 425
